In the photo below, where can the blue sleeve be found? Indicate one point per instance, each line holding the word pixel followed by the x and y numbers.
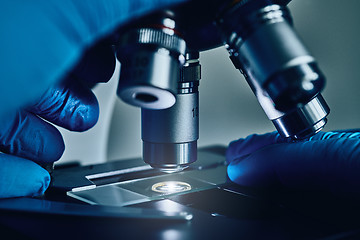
pixel 47 63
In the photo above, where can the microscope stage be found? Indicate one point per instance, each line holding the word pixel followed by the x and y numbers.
pixel 129 199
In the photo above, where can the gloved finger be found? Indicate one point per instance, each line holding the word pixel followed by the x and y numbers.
pixel 243 147
pixel 21 177
pixel 45 39
pixel 26 135
pixel 70 105
pixel 332 165
pixel 96 65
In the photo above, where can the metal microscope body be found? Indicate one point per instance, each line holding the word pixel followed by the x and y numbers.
pixel 160 72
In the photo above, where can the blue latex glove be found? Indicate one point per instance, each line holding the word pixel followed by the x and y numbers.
pixel 327 162
pixel 25 136
pixel 41 42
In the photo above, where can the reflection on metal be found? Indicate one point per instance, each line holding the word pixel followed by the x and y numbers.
pixel 171 187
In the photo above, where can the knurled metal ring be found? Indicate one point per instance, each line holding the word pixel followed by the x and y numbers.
pixel 158 37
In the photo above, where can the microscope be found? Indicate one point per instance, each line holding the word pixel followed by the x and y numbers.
pixel 160 72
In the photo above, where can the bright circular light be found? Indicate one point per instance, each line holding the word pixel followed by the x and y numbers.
pixel 171 187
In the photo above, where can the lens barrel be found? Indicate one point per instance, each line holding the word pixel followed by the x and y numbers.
pixel 170 135
pixel 281 72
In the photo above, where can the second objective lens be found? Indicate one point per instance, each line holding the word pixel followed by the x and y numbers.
pixel 150 58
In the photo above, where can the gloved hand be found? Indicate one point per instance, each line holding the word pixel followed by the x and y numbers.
pixel 327 162
pixel 24 135
pixel 41 43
